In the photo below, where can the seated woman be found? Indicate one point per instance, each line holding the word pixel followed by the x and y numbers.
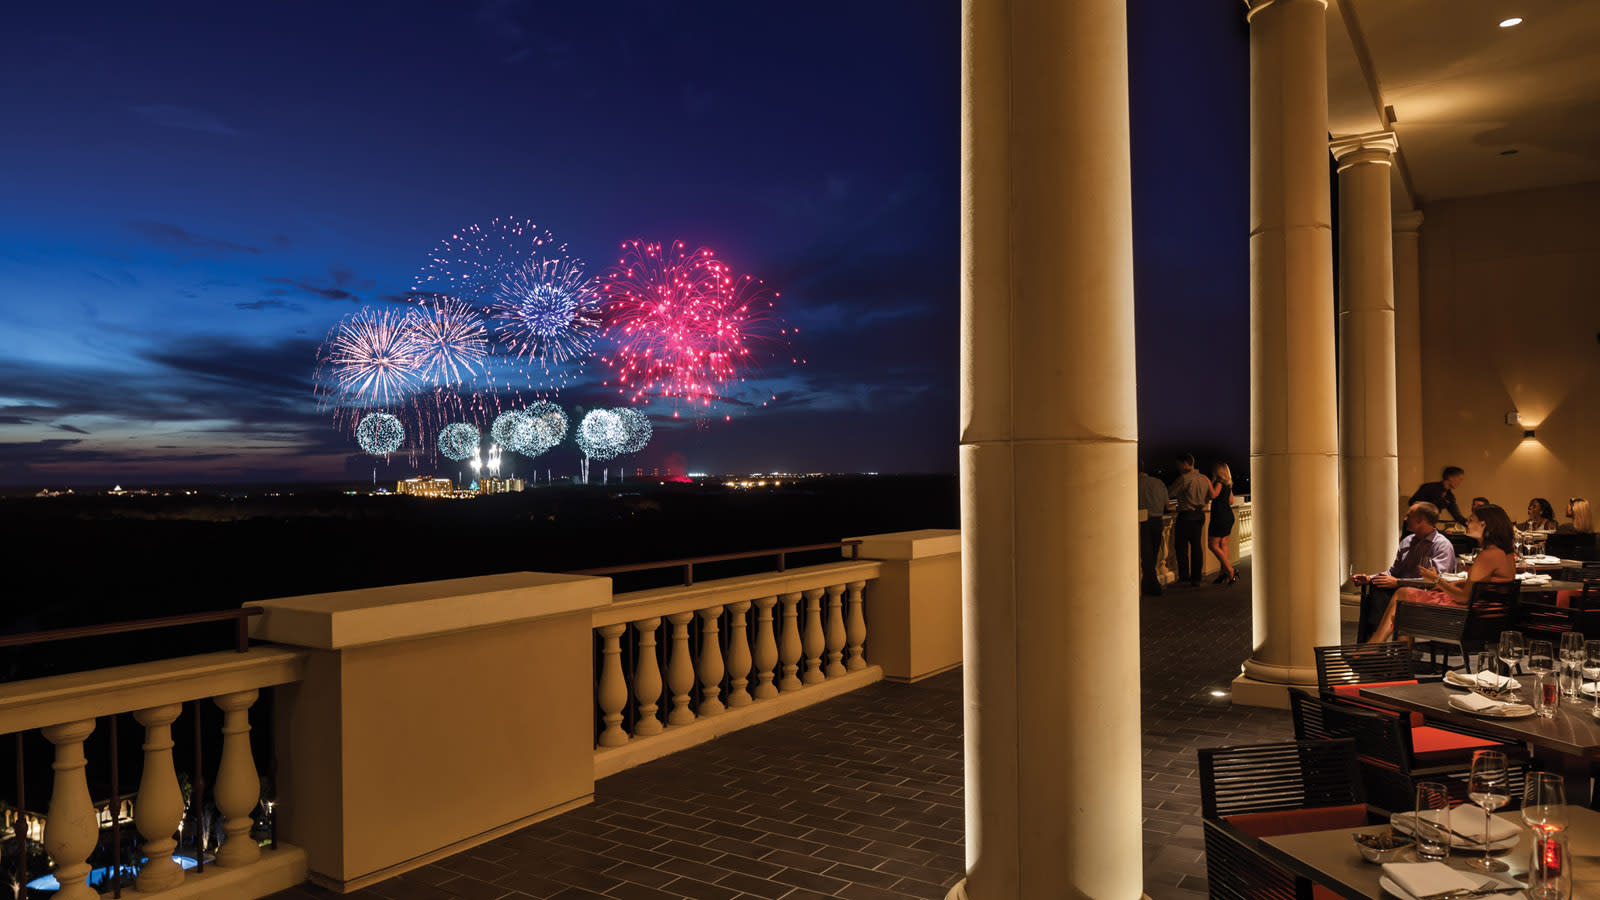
pixel 1541 516
pixel 1582 518
pixel 1497 561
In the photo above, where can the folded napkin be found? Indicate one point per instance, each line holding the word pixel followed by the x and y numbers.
pixel 1452 576
pixel 1486 706
pixel 1484 679
pixel 1422 879
pixel 1467 821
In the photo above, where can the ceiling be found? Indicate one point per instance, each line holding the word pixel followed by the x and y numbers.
pixel 1465 90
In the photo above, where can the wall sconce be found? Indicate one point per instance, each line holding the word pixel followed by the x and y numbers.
pixel 1528 435
pixel 1512 418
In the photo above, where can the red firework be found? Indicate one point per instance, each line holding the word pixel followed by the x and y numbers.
pixel 684 325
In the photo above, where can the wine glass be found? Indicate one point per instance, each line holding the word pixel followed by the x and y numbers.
pixel 1571 660
pixel 1591 671
pixel 1512 648
pixel 1544 803
pixel 1489 786
pixel 1541 662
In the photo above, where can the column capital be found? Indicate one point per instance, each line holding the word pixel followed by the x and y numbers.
pixel 1254 6
pixel 1408 221
pixel 1373 147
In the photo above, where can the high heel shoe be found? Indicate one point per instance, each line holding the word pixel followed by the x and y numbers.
pixel 1221 577
pixel 1234 577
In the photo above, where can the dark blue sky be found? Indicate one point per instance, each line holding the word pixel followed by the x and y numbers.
pixel 196 192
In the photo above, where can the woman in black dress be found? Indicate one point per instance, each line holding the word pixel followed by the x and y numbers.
pixel 1221 522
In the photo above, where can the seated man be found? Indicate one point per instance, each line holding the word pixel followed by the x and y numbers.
pixel 1424 546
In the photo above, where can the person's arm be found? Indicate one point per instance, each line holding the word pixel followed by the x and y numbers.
pixel 1443 555
pixel 1216 488
pixel 1450 504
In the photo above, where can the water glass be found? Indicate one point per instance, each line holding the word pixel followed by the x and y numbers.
pixel 1433 821
pixel 1541 662
pixel 1547 695
pixel 1485 669
pixel 1550 869
pixel 1591 671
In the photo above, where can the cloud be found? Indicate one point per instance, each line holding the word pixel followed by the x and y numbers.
pixel 178 239
pixel 62 426
pixel 270 304
pixel 315 290
pixel 184 117
pixel 15 420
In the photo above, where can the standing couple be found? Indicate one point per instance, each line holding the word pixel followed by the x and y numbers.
pixel 1195 494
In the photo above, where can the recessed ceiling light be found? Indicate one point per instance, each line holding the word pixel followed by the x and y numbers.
pixel 1511 22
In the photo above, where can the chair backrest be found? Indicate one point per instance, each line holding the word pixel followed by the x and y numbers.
pixel 1379 734
pixel 1572 546
pixel 1266 777
pixel 1491 608
pixel 1462 543
pixel 1363 664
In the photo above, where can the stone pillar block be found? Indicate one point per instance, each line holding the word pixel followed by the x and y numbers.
pixel 432 717
pixel 913 609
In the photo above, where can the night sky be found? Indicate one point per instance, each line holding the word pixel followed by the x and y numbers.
pixel 196 192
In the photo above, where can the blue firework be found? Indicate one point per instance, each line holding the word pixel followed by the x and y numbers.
pixel 380 434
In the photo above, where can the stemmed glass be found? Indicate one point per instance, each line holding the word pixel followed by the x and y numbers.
pixel 1544 803
pixel 1541 662
pixel 1571 660
pixel 1512 648
pixel 1591 671
pixel 1489 786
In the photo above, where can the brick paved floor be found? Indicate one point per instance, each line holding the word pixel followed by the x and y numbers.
pixel 859 797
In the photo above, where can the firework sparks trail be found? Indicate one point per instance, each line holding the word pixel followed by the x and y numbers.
pixel 601 434
pixel 684 325
pixel 450 340
pixel 549 426
pixel 636 429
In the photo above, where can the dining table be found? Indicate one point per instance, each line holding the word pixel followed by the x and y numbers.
pixel 1572 731
pixel 1332 859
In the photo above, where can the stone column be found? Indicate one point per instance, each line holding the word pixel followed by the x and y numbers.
pixel 1048 427
pixel 1408 350
pixel 1294 438
pixel 1370 469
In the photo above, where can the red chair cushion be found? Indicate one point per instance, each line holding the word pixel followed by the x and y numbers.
pixel 1295 821
pixel 1564 598
pixel 1353 692
pixel 1428 741
pixel 1318 892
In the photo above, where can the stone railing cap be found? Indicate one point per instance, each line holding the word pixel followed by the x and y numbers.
pixel 408 611
pixel 909 544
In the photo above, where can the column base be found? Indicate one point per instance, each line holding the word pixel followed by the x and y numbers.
pixel 959 892
pixel 1349 606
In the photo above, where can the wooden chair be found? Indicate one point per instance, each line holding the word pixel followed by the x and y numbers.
pixel 1491 608
pixel 1393 753
pixel 1254 792
pixel 1581 547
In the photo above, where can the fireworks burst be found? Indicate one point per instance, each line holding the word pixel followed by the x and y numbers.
pixel 545 311
pixel 450 341
pixel 549 425
pixel 601 434
pixel 513 430
pixel 636 429
pixel 380 434
pixel 458 440
pixel 370 359
pixel 684 325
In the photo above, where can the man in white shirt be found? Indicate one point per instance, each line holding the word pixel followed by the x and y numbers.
pixel 1152 504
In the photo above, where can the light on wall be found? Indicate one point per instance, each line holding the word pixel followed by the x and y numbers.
pixel 1528 435
pixel 1512 418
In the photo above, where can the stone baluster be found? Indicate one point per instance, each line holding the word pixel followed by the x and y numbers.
pixel 647 679
pixel 855 629
pixel 613 690
pixel 711 667
pixel 835 631
pixel 738 656
pixel 789 648
pixel 813 640
pixel 766 649
pixel 238 785
pixel 680 670
pixel 71 828
pixel 158 813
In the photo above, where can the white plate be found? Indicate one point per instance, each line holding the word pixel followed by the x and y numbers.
pixel 1402 822
pixel 1512 893
pixel 1488 713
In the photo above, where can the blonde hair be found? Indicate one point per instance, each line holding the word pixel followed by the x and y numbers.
pixel 1221 473
pixel 1582 517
